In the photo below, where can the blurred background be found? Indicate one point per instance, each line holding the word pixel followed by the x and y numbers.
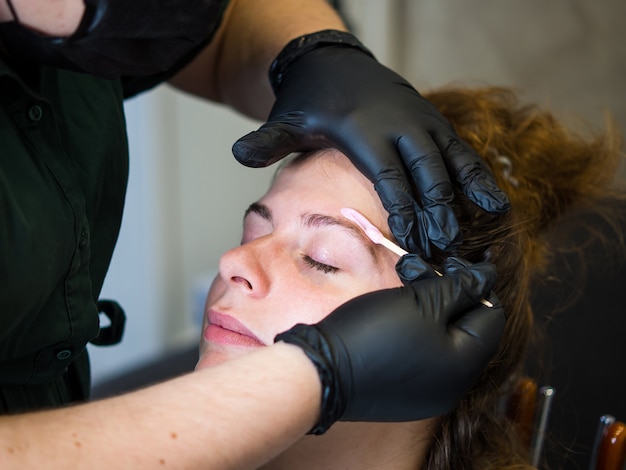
pixel 187 194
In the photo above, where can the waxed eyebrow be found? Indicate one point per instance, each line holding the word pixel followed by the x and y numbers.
pixel 318 220
pixel 321 220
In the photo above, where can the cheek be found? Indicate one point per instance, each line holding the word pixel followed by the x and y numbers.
pixel 389 278
pixel 293 304
pixel 321 304
pixel 311 306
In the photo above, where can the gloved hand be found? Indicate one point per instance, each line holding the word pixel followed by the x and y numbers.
pixel 331 93
pixel 407 353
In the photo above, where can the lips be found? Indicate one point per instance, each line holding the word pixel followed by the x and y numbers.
pixel 224 329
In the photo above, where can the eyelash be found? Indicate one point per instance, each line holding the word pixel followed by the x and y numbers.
pixel 326 269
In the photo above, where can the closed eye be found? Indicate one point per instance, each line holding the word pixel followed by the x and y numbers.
pixel 326 269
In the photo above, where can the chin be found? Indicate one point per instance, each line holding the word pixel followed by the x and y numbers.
pixel 210 357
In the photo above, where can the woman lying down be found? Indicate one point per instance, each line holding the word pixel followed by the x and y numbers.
pixel 300 257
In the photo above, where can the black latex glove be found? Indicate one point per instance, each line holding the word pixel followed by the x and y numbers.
pixel 407 353
pixel 340 96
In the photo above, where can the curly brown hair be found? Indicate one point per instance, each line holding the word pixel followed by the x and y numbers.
pixel 547 171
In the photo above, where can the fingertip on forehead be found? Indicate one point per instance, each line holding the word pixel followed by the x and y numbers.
pixel 333 163
pixel 319 159
pixel 316 156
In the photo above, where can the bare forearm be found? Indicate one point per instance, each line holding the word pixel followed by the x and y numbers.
pixel 236 415
pixel 234 68
pixel 51 17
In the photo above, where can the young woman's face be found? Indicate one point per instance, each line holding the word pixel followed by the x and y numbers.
pixel 299 258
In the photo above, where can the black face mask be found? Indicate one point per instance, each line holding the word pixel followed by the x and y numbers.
pixel 122 37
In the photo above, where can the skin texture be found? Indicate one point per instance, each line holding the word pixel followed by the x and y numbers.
pixel 273 281
pixel 200 420
pixel 268 285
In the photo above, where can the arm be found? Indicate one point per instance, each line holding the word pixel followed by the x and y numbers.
pixel 58 18
pixel 233 69
pixel 208 419
pixel 244 412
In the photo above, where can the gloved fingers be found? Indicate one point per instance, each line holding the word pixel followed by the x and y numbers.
pixel 405 216
pixel 453 263
pixel 459 290
pixel 378 160
pixel 272 142
pixel 479 331
pixel 477 279
pixel 412 268
pixel 433 187
pixel 475 178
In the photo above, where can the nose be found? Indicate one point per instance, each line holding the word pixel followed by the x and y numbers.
pixel 246 268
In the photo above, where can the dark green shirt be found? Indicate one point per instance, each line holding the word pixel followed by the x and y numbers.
pixel 63 174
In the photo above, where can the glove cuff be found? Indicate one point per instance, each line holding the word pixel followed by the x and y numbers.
pixel 299 46
pixel 317 350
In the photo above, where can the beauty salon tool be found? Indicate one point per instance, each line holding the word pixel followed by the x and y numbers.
pixel 546 395
pixel 377 237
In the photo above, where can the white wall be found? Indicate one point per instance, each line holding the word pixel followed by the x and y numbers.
pixel 568 55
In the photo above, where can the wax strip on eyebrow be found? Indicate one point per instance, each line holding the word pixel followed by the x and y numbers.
pixel 371 230
pixel 374 234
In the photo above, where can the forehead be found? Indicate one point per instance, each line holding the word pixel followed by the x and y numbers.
pixel 327 181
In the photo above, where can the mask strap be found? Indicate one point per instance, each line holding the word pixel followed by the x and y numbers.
pixel 13 12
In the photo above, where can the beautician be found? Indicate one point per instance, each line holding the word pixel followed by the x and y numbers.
pixel 65 68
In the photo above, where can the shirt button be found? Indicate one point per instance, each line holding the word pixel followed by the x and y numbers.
pixel 35 113
pixel 84 238
pixel 64 354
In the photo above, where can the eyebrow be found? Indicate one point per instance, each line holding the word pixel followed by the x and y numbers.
pixel 259 209
pixel 321 220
